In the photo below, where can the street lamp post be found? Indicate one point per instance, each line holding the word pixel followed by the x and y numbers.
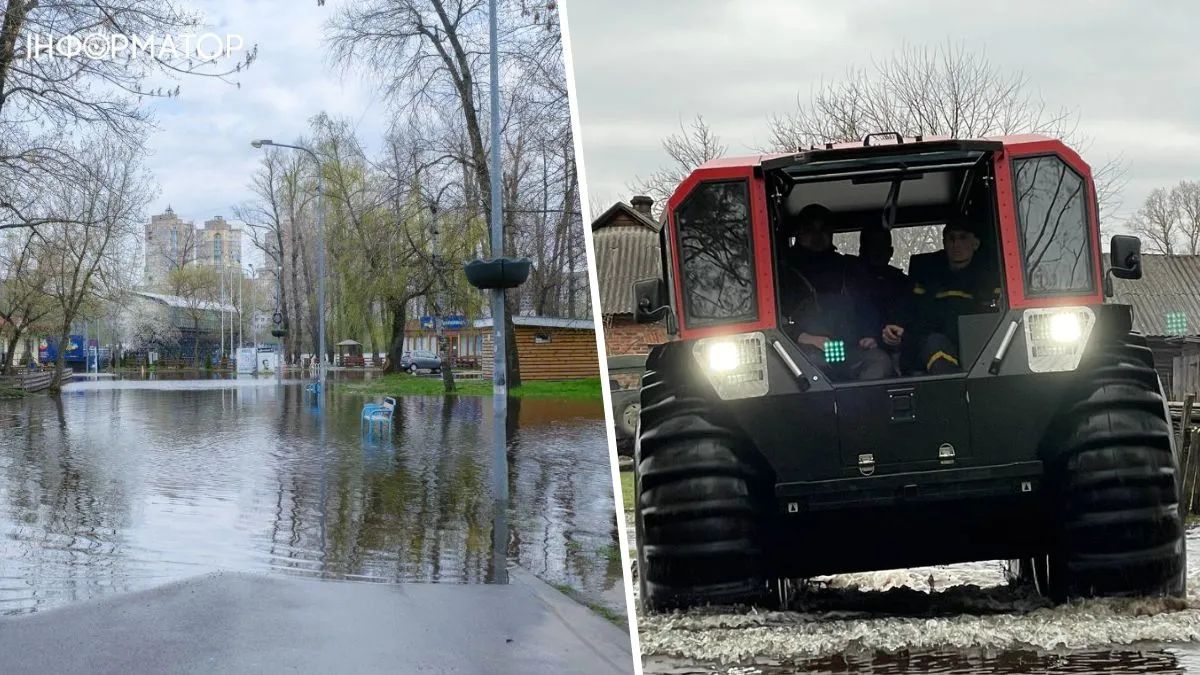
pixel 320 258
pixel 496 275
pixel 499 357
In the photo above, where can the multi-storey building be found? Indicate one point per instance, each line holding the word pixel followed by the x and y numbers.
pixel 219 245
pixel 170 244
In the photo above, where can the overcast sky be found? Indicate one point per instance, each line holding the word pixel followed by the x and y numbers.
pixel 201 154
pixel 1128 69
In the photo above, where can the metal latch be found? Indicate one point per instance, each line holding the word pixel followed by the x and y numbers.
pixel 903 405
pixel 866 463
pixel 946 453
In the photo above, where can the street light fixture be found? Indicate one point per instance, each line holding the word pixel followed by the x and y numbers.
pixel 320 256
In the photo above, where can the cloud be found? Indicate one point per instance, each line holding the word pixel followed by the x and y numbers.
pixel 642 67
pixel 201 154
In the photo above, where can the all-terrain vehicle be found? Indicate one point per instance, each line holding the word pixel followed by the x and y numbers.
pixel 1051 445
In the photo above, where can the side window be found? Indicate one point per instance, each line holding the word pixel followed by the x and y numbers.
pixel 1052 215
pixel 713 226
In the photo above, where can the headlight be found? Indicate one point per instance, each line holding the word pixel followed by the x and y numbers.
pixel 736 365
pixel 1065 327
pixel 1055 337
pixel 722 356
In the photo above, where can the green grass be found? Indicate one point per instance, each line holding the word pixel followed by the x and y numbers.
pixel 608 614
pixel 403 384
pixel 612 553
pixel 627 490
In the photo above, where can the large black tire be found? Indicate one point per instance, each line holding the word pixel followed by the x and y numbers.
pixel 1116 485
pixel 698 507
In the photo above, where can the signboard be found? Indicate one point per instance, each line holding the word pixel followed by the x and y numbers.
pixel 48 349
pixel 246 360
pixel 452 322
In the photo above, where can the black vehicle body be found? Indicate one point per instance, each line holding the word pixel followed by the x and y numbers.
pixel 1070 469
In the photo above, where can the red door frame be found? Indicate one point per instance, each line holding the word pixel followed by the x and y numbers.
pixel 760 239
pixel 1010 236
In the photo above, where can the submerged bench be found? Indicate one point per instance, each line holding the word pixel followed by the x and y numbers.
pixel 378 412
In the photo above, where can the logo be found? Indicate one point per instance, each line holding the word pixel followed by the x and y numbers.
pixel 101 46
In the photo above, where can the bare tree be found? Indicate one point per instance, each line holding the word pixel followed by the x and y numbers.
pixel 944 90
pixel 269 223
pixel 693 145
pixel 1158 222
pixel 1186 197
pixel 89 260
pixel 1169 219
pixel 46 97
pixel 198 288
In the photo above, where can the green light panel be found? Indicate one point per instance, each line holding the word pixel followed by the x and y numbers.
pixel 1177 323
pixel 835 351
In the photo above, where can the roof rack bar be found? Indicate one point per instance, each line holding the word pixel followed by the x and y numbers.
pixel 889 171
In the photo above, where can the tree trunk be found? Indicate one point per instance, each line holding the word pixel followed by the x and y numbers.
pixel 296 335
pixel 14 18
pixel 10 351
pixel 510 348
pixel 195 343
pixel 447 370
pixel 396 345
pixel 60 359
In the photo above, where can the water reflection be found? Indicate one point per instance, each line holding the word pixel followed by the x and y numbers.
pixel 120 485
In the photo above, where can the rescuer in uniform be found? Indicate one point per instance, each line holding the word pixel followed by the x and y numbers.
pixel 927 331
pixel 824 296
pixel 888 288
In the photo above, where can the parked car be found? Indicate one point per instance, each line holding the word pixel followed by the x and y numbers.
pixel 626 402
pixel 420 360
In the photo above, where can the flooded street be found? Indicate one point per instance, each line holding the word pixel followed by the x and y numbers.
pixel 125 485
pixel 953 619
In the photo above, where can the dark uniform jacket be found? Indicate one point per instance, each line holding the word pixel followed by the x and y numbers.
pixel 824 294
pixel 888 291
pixel 940 295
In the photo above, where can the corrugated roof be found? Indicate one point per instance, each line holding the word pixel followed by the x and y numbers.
pixel 184 303
pixel 542 322
pixel 1169 283
pixel 626 251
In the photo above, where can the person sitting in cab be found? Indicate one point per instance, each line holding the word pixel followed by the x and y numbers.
pixel 954 284
pixel 823 296
pixel 888 288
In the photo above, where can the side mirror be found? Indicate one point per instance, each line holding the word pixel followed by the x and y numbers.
pixel 1125 256
pixel 649 300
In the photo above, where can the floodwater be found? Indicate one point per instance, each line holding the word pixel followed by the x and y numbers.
pixel 123 485
pixel 962 619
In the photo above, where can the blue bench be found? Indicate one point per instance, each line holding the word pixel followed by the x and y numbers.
pixel 381 413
